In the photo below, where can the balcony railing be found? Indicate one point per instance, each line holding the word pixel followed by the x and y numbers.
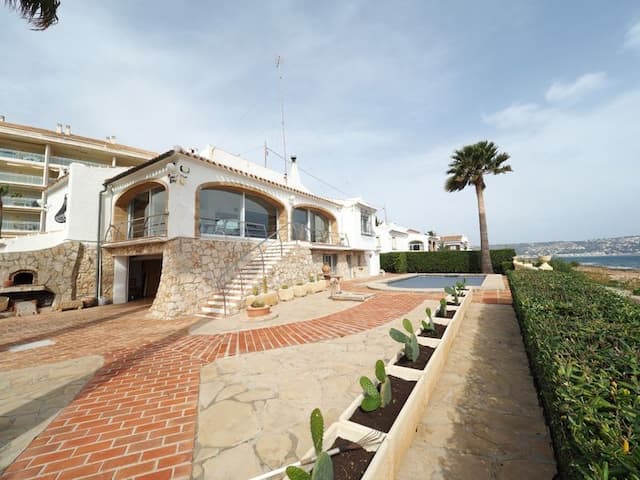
pixel 39 158
pixel 21 202
pixel 20 225
pixel 20 178
pixel 143 227
pixel 232 227
pixel 303 233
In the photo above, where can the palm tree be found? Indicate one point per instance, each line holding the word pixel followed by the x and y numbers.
pixel 3 191
pixel 470 164
pixel 40 13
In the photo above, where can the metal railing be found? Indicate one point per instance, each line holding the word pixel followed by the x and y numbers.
pixel 39 158
pixel 21 178
pixel 142 227
pixel 20 225
pixel 232 227
pixel 21 202
pixel 303 233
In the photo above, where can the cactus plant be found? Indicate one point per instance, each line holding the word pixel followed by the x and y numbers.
pixel 323 466
pixel 427 325
pixel 411 349
pixel 442 311
pixel 374 399
pixel 453 291
pixel 255 290
pixel 461 287
pixel 265 287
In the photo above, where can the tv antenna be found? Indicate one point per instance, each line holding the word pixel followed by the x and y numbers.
pixel 279 62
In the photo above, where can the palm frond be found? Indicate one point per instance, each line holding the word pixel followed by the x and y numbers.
pixel 40 13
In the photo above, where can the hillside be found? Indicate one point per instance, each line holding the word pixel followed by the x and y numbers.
pixel 600 246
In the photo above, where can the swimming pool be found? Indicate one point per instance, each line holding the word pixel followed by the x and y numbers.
pixel 436 281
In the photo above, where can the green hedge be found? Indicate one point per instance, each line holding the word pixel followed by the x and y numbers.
pixel 444 261
pixel 583 343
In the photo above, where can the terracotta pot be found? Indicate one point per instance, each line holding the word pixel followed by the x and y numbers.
pixel 258 311
pixel 326 269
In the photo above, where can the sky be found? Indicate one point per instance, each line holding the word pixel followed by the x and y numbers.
pixel 377 97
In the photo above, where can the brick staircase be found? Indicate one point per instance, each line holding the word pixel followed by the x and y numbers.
pixel 249 275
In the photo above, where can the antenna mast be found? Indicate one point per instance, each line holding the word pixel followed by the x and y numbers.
pixel 279 62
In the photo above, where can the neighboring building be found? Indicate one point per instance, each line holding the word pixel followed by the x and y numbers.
pixel 395 238
pixel 32 158
pixel 453 242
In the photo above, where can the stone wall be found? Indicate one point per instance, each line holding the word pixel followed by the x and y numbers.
pixel 68 269
pixel 342 266
pixel 293 268
pixel 189 269
pixel 86 281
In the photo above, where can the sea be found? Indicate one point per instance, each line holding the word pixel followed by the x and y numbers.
pixel 610 261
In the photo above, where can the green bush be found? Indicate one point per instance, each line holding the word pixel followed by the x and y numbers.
pixel 444 261
pixel 583 343
pixel 394 262
pixel 560 265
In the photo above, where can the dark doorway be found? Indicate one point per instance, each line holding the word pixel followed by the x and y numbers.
pixel 144 276
pixel 23 278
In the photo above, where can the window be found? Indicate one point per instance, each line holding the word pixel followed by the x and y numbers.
pixel 365 223
pixel 147 214
pixel 416 245
pixel 228 212
pixel 310 226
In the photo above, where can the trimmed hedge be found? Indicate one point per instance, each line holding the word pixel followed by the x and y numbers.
pixel 444 261
pixel 583 344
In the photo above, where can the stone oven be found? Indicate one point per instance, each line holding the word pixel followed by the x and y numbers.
pixel 24 277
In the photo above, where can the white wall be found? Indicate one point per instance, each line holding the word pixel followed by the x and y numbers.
pixel 26 243
pixel 55 200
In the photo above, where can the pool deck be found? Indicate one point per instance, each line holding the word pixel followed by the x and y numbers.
pixel 491 282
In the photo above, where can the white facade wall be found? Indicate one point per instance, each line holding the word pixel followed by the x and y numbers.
pixel 55 200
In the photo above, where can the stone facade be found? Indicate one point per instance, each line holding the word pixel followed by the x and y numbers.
pixel 189 269
pixel 67 270
pixel 342 265
pixel 86 280
pixel 295 267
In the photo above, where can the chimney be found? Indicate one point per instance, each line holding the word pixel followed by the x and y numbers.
pixel 113 139
pixel 59 128
pixel 293 178
pixel 1 118
pixel 67 129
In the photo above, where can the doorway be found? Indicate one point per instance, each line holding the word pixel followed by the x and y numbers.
pixel 144 276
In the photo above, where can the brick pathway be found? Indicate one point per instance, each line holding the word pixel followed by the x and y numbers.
pixel 137 417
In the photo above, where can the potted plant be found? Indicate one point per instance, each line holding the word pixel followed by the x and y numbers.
pixel 311 286
pixel 258 309
pixel 300 289
pixel 285 293
pixel 249 299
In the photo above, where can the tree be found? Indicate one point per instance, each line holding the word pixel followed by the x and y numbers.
pixel 431 233
pixel 40 13
pixel 469 166
pixel 3 191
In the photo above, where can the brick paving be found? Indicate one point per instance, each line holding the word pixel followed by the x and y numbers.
pixel 137 417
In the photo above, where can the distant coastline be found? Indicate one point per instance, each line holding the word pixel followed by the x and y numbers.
pixel 621 262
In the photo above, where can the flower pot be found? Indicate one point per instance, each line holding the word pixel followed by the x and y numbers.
pixel 285 294
pixel 269 298
pixel 253 312
pixel 300 290
pixel 326 269
pixel 249 299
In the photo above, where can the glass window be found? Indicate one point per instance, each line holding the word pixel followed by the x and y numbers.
pixel 224 212
pixel 299 227
pixel 416 245
pixel 260 217
pixel 331 260
pixel 319 228
pixel 147 212
pixel 365 223
pixel 310 226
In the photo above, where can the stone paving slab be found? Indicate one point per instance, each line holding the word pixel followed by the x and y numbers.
pixel 254 409
pixel 483 420
pixel 30 398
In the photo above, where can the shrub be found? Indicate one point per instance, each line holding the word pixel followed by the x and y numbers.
pixel 560 265
pixel 444 261
pixel 284 287
pixel 583 342
pixel 257 304
pixel 636 291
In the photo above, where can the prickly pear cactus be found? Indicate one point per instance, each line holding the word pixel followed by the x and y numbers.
pixel 442 311
pixel 323 466
pixel 411 348
pixel 374 399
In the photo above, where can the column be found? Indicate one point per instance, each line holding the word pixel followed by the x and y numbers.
pixel 45 182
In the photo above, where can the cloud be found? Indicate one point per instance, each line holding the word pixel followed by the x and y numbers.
pixel 587 83
pixel 518 115
pixel 632 37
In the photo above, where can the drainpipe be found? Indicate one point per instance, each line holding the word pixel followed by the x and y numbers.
pixel 99 246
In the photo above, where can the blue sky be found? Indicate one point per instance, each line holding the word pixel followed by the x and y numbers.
pixel 377 97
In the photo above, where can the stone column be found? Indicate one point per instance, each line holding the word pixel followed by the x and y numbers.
pixel 120 279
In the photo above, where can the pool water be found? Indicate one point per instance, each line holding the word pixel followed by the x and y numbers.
pixel 437 281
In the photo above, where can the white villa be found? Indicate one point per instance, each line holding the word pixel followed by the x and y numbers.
pixel 391 237
pixel 195 231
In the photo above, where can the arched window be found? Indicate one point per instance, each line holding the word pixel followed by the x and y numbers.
pixel 140 212
pixel 416 245
pixel 310 226
pixel 232 212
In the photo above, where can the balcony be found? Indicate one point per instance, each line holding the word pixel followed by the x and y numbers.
pixel 6 177
pixel 11 154
pixel 20 226
pixel 21 202
pixel 232 227
pixel 152 226
pixel 318 236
